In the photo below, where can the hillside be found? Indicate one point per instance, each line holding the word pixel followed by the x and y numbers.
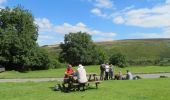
pixel 134 49
pixel 139 48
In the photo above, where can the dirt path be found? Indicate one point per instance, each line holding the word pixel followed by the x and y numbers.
pixel 60 79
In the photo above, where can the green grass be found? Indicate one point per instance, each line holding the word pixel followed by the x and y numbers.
pixel 89 69
pixel 145 89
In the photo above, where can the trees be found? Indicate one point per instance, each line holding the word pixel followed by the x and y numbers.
pixel 78 48
pixel 18 35
pixel 118 59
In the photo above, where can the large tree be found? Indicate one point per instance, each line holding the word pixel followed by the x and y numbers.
pixel 78 48
pixel 18 35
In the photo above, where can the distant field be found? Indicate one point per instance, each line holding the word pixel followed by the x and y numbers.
pixel 90 69
pixel 145 89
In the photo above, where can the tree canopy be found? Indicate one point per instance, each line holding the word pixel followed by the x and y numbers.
pixel 18 36
pixel 78 48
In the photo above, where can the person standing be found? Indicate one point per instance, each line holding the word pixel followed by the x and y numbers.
pixel 111 72
pixel 106 71
pixel 102 70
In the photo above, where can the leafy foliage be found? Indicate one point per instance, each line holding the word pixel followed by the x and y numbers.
pixel 18 36
pixel 118 59
pixel 79 48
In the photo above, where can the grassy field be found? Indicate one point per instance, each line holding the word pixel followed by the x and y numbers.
pixel 145 89
pixel 89 69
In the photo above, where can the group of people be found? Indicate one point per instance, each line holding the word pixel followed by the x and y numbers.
pixel 107 72
pixel 78 76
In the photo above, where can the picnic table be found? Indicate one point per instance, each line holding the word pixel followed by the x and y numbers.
pixel 73 84
pixel 93 79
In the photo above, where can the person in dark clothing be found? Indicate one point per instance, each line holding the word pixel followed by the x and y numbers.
pixel 102 70
pixel 111 72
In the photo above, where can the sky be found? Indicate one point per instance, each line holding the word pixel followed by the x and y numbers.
pixel 104 20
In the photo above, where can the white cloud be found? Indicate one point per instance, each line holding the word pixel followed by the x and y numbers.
pixel 45 37
pixel 66 28
pixel 46 27
pixel 2 3
pixel 97 12
pixel 44 24
pixel 118 20
pixel 164 34
pixel 155 17
pixel 104 3
pixel 100 6
pixel 158 16
pixel 167 1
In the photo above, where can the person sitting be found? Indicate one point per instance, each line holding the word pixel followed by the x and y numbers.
pixel 129 75
pixel 119 76
pixel 69 71
pixel 81 76
pixel 68 77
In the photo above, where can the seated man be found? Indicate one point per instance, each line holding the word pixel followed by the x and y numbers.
pixel 81 75
pixel 129 75
pixel 69 72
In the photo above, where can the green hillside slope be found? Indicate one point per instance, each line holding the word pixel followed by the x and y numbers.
pixel 134 49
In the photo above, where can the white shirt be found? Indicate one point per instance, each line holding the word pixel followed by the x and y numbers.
pixel 107 68
pixel 81 75
pixel 130 75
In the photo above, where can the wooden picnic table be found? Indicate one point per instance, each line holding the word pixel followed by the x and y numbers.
pixel 93 79
pixel 73 83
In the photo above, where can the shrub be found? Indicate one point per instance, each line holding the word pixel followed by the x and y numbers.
pixel 118 59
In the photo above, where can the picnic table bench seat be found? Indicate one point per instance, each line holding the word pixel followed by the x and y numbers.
pixel 94 82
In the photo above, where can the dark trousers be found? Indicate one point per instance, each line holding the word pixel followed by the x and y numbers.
pixel 101 75
pixel 106 75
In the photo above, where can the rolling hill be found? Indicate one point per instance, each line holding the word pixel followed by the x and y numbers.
pixel 134 49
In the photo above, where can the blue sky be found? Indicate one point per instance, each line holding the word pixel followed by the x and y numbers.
pixel 104 20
